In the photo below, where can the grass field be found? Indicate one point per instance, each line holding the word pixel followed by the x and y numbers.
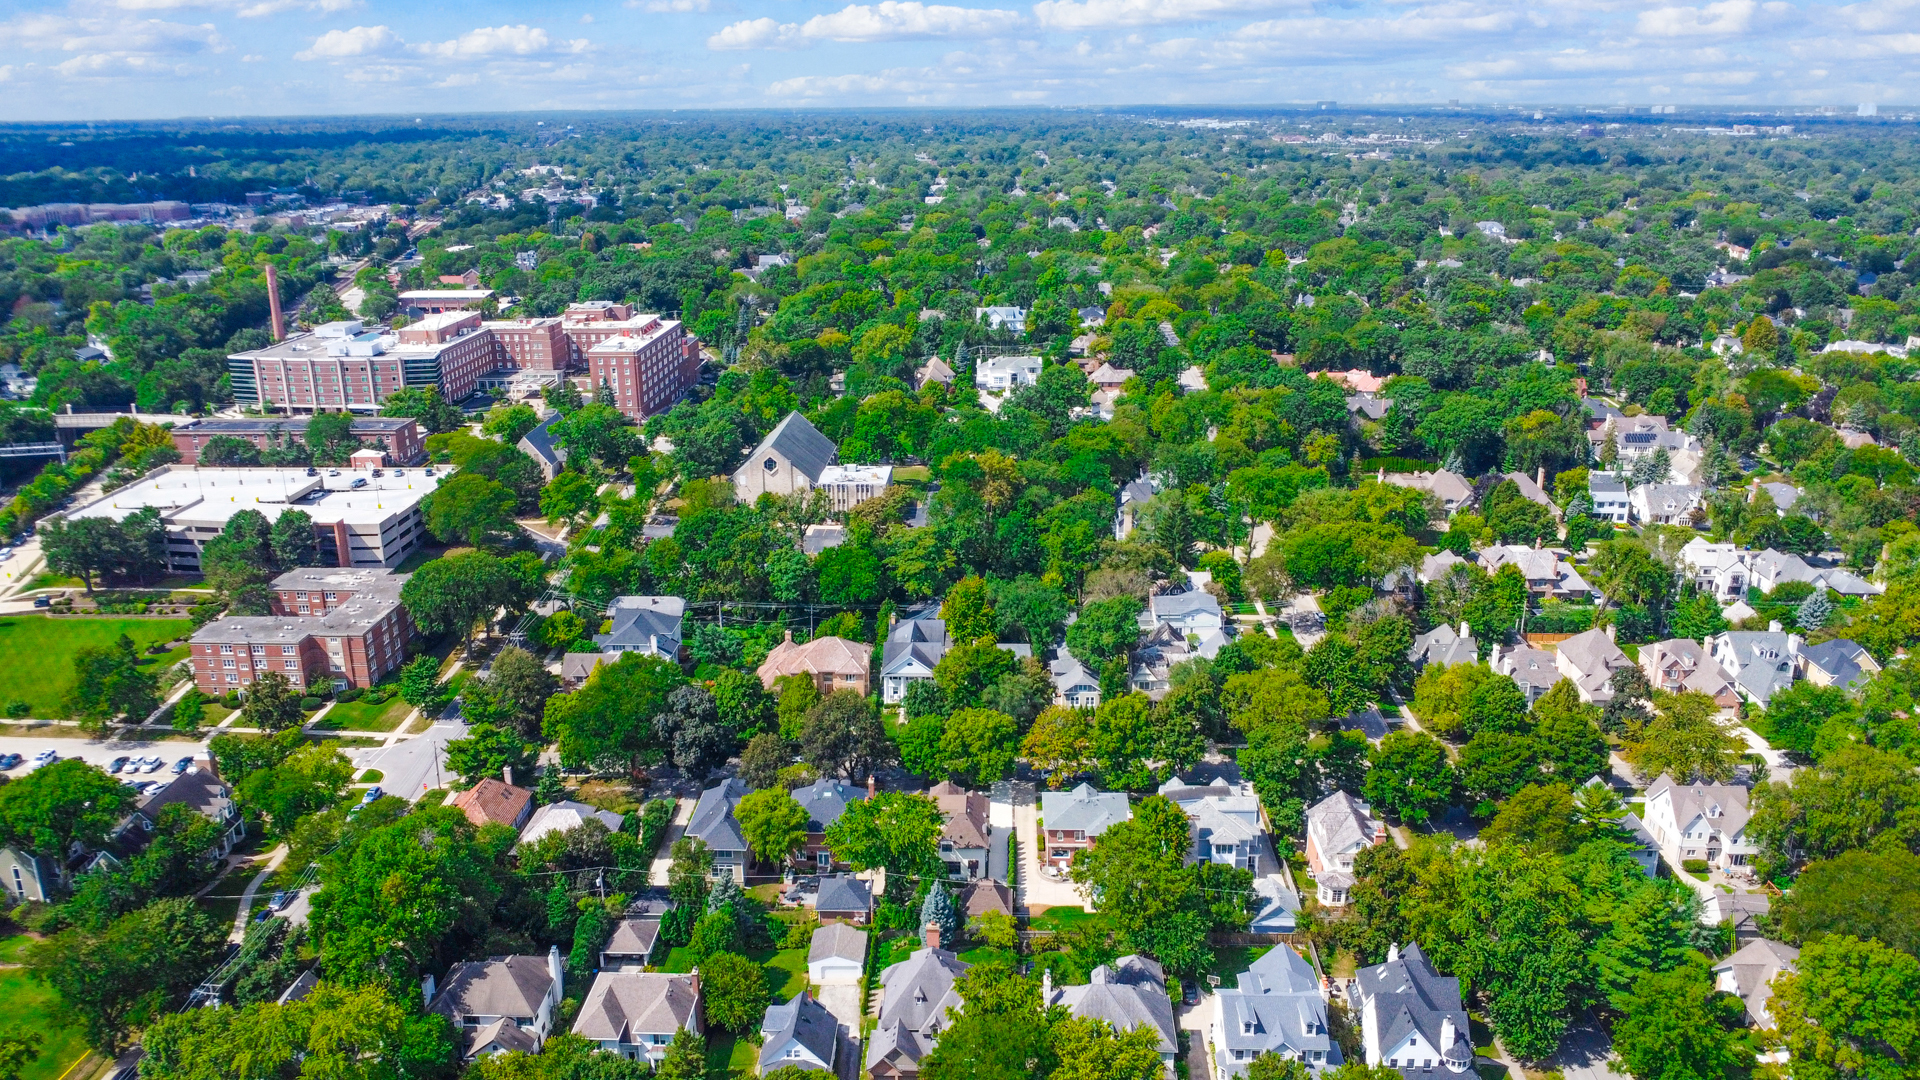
pixel 30 1007
pixel 36 652
pixel 1061 918
pixel 360 716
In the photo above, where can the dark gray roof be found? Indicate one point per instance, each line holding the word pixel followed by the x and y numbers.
pixel 1130 993
pixel 1407 995
pixel 800 443
pixel 498 986
pixel 844 892
pixel 643 622
pixel 924 640
pixel 802 1019
pixel 1276 1008
pixel 919 989
pixel 1839 658
pixel 825 801
pixel 541 447
pixel 713 819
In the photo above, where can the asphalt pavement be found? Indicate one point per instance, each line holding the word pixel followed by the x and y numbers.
pixel 99 752
pixel 412 767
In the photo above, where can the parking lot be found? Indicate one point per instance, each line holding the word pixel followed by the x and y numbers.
pixel 101 752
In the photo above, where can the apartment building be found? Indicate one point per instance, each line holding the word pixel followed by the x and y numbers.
pixel 646 368
pixel 328 625
pixel 397 437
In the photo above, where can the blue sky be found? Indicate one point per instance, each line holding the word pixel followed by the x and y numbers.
pixel 127 59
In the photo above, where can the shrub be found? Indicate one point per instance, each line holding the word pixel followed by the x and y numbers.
pixel 351 693
pixel 309 704
pixel 1694 866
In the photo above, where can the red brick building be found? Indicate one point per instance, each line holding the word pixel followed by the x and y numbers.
pixel 328 625
pixel 398 436
pixel 648 370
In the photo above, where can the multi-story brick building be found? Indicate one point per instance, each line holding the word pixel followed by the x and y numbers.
pixel 347 365
pixel 647 370
pixel 340 625
pixel 398 436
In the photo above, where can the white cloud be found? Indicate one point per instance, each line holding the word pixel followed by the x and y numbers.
pixel 488 41
pixel 819 86
pixel 1721 19
pixel 1096 14
pixel 1719 78
pixel 247 9
pixel 359 41
pixel 669 7
pixel 890 20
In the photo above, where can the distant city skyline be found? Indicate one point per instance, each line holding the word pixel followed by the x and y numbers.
pixel 142 59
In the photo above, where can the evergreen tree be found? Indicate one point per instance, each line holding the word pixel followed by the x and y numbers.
pixel 1814 612
pixel 937 910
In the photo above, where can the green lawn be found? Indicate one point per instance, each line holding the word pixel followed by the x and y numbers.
pixel 786 970
pixel 36 652
pixel 30 1007
pixel 729 1057
pixel 13 948
pixel 986 954
pixel 1230 960
pixel 1057 919
pixel 360 716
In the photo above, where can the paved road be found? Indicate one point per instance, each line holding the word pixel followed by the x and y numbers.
pixel 99 752
pixel 411 768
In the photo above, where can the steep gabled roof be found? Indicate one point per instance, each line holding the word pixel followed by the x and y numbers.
pixel 825 800
pixel 497 986
pixel 801 1020
pixel 624 1005
pixel 1341 821
pixel 713 819
pixel 919 989
pixel 800 443
pixel 1129 993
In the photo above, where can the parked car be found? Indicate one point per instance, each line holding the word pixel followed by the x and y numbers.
pixel 358 483
pixel 45 757
pixel 8 761
pixel 373 793
pixel 118 764
pixel 154 764
pixel 279 900
pixel 43 601
pixel 182 765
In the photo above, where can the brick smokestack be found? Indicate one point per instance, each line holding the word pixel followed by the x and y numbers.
pixel 273 303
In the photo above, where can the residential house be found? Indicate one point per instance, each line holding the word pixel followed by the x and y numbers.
pixel 843 896
pixel 1129 993
pixel 1683 665
pixel 1274 1008
pixel 1589 659
pixel 965 839
pixel 1749 973
pixel 914 647
pixel 26 876
pixel 566 816
pixel 502 1003
pixel 713 822
pixel 630 946
pixel 636 1013
pixel 493 800
pixel 1719 570
pixel 1278 908
pixel 1362 408
pixel 540 445
pixel 1226 822
pixel 834 663
pixel 1193 612
pixel 1339 827
pixel 1358 380
pixel 1707 822
pixel 1760 662
pixel 915 996
pixel 935 370
pixel 1839 662
pixel 1453 490
pixel 1412 1018
pixel 207 794
pixel 1150 665
pixel 1549 575
pixel 800 1033
pixel 1644 850
pixel 1770 568
pixel 1074 684
pixel 1664 504
pixel 1784 496
pixel 1741 910
pixel 1533 488
pixel 983 895
pixel 1134 496
pixel 1444 645
pixel 1636 437
pixel 1533 670
pixel 789 461
pixel 1193 380
pixel 1438 565
pixel 648 625
pixel 836 954
pixel 1608 494
pixel 1108 377
pixel 1073 820
pixel 1003 373
pixel 1003 318
pixel 577 667
pixel 824 802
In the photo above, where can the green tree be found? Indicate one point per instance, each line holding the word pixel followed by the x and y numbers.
pixel 1410 776
pixel 1518 923
pixel 1539 817
pixel 1272 1066
pixel 1060 744
pixel 53 807
pixel 470 509
pixel 131 972
pixel 271 703
pixel 843 737
pixel 760 763
pixel 1687 740
pixel 108 682
pixel 745 706
pixel 1851 1008
pixel 686 1057
pixel 895 830
pixel 610 718
pixel 968 611
pixel 1090 1049
pixel 773 823
pixel 425 405
pixel 937 910
pixel 1106 629
pixel 1673 1027
pixel 17 1050
pixel 487 751
pixel 570 498
pixel 979 746
pixel 1859 894
pixel 1124 740
pixel 189 711
pixel 966 672
pixel 457 593
pixel 310 779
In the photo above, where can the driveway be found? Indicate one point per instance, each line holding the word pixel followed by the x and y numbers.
pixel 1585 1054
pixel 412 767
pixel 663 859
pixel 1037 890
pixel 1193 1020
pixel 842 999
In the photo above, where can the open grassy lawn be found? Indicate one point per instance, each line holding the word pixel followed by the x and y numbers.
pixel 1057 919
pixel 1230 960
pixel 13 947
pixel 360 716
pixel 986 954
pixel 30 1007
pixel 786 970
pixel 729 1057
pixel 36 652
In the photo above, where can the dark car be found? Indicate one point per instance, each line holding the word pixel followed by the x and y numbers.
pixel 182 765
pixel 279 900
pixel 118 764
pixel 43 601
pixel 8 761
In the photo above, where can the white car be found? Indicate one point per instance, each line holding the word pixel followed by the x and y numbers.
pixel 155 764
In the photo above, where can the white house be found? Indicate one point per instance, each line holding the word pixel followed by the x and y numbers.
pixel 1749 974
pixel 1339 827
pixel 1719 570
pixel 1226 822
pixel 1608 493
pixel 914 647
pixel 1760 662
pixel 1192 612
pixel 1276 1008
pixel 1699 821
pixel 1664 504
pixel 1412 1018
pixel 1003 318
pixel 836 954
pixel 1074 684
pixel 1003 373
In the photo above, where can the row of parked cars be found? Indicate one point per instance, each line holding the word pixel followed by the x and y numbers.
pixel 132 765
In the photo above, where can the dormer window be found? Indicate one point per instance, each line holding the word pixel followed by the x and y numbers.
pixel 1246 1027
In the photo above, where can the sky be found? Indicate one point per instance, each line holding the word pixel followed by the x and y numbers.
pixel 149 59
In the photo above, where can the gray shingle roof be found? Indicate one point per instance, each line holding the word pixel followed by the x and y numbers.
pixel 804 1020
pixel 842 941
pixel 644 622
pixel 1084 809
pixel 1404 995
pixel 843 892
pixel 922 640
pixel 1276 1008
pixel 1839 658
pixel 713 819
pixel 497 986
pixel 800 443
pixel 626 1004
pixel 916 994
pixel 825 801
pixel 1129 993
pixel 539 444
pixel 1339 822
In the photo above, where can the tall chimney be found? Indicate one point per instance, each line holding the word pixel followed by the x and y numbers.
pixel 933 935
pixel 1540 477
pixel 506 773
pixel 273 302
pixel 870 786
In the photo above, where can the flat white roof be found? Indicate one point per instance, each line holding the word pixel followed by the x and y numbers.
pixel 446 294
pixel 856 474
pixel 189 496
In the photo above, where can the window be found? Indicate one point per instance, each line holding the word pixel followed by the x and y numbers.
pixel 232 678
pixel 290 665
pixel 770 465
pixel 286 650
pixel 226 648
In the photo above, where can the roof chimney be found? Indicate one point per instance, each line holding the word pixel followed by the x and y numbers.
pixel 1393 952
pixel 1465 631
pixel 1540 477
pixel 1447 1033
pixel 506 773
pixel 871 786
pixel 273 303
pixel 1610 632
pixel 1773 626
pixel 556 969
pixel 933 935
